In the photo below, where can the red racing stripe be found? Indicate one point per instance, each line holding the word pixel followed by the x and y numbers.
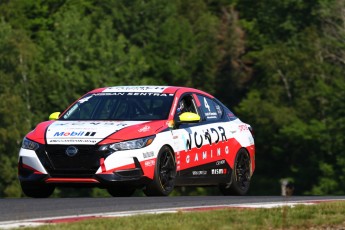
pixel 71 180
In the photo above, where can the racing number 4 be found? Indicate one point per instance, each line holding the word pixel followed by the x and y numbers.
pixel 206 105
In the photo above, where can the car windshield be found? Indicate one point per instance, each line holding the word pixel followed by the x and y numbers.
pixel 121 106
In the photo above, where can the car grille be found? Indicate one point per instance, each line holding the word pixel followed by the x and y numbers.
pixel 58 164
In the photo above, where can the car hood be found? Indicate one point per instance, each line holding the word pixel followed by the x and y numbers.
pixel 93 132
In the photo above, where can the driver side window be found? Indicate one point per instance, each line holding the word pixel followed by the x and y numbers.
pixel 186 104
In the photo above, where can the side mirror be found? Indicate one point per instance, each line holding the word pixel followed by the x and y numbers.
pixel 54 116
pixel 189 117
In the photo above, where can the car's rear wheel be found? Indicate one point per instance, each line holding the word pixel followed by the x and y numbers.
pixel 164 176
pixel 119 191
pixel 240 178
pixel 37 191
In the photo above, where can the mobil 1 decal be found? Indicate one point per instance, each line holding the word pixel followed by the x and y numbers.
pixel 203 146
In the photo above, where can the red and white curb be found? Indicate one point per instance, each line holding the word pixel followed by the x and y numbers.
pixel 75 218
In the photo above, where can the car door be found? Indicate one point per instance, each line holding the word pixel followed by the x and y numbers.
pixel 198 152
pixel 216 133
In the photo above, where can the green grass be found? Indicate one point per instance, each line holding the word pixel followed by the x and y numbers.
pixel 329 215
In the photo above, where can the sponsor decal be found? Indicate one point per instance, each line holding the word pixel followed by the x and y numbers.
pixel 151 94
pixel 211 115
pixel 74 134
pixel 221 162
pixel 219 110
pixel 71 141
pixel 136 94
pixel 206 155
pixel 218 171
pixel 71 151
pixel 199 173
pixel 116 124
pixel 243 128
pixel 135 89
pixel 213 153
pixel 148 154
pixel 144 129
pixel 150 163
pixel 199 139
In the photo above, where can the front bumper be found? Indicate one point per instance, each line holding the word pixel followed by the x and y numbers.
pixel 42 170
pixel 133 177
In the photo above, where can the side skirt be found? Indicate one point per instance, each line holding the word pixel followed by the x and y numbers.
pixel 212 173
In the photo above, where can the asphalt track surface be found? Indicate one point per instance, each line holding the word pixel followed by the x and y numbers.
pixel 26 208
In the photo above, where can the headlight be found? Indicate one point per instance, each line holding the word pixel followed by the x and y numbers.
pixel 31 145
pixel 127 145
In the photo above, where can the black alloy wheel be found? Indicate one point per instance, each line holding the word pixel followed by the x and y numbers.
pixel 240 179
pixel 164 176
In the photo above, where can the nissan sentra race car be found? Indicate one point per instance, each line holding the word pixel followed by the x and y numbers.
pixel 139 137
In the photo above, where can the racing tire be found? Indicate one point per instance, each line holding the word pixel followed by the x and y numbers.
pixel 240 177
pixel 37 191
pixel 164 174
pixel 121 191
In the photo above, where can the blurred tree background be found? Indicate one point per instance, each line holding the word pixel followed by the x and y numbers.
pixel 277 64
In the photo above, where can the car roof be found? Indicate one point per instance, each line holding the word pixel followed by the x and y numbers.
pixel 149 89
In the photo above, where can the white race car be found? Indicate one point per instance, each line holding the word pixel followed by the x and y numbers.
pixel 139 137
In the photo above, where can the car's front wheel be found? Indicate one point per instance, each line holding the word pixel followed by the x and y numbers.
pixel 240 178
pixel 164 175
pixel 37 191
